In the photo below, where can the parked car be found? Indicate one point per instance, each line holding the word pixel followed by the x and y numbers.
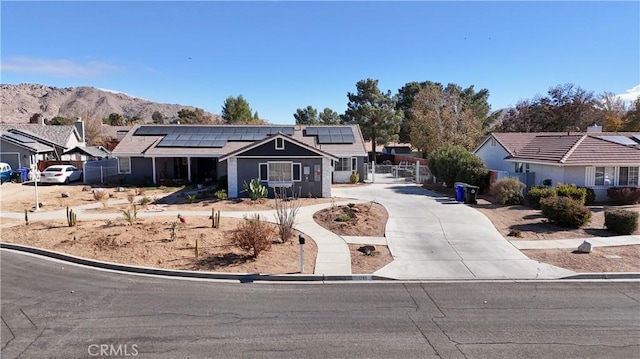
pixel 5 172
pixel 60 174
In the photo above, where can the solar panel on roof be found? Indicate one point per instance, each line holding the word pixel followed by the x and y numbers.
pixel 219 143
pixel 637 137
pixel 623 140
pixel 234 137
pixel 165 143
pixel 346 130
pixel 311 131
pixel 19 138
pixel 348 138
pixel 324 139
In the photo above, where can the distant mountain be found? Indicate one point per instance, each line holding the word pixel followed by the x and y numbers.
pixel 19 102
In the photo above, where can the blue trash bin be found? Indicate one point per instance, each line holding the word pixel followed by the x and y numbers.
pixel 25 173
pixel 459 192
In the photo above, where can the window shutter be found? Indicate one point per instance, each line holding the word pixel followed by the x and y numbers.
pixel 263 172
pixel 589 176
pixel 297 172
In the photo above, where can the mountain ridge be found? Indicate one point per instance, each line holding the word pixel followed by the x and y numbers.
pixel 19 102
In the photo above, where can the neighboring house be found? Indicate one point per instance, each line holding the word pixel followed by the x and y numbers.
pixel 21 151
pixel 86 153
pixel 111 135
pixel 311 157
pixel 597 160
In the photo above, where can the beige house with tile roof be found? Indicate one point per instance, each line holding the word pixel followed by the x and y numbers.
pixel 309 157
pixel 598 160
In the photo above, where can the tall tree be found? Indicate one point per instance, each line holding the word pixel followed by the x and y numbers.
pixel 613 110
pixel 306 116
pixel 236 110
pixel 329 117
pixel 157 117
pixel 445 116
pixel 375 112
pixel 565 108
pixel 631 120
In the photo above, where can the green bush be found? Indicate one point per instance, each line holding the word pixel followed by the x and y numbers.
pixel 452 164
pixel 536 193
pixel 565 211
pixel 571 191
pixel 621 221
pixel 591 196
pixel 624 195
pixel 221 194
pixel 355 177
pixel 508 191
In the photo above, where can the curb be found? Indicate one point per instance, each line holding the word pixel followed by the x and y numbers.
pixel 240 277
pixel 620 275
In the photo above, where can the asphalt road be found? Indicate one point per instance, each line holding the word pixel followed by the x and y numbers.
pixel 52 309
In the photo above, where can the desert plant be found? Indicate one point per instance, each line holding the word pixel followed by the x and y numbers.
pixel 624 195
pixel 565 211
pixel 108 223
pixel 508 191
pixel 355 177
pixel 131 197
pixel 286 212
pixel 145 201
pixel 191 198
pixel 172 231
pixel 99 194
pixel 131 214
pixel 515 233
pixel 253 234
pixel 536 193
pixel 72 218
pixel 590 198
pixel 255 189
pixel 196 249
pixel 343 218
pixel 621 221
pixel 571 191
pixel 351 205
pixel 349 211
pixel 26 217
pixel 215 219
pixel 221 194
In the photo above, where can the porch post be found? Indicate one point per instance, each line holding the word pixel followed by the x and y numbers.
pixel 153 170
pixel 232 176
pixel 189 169
pixel 326 177
pixel 417 171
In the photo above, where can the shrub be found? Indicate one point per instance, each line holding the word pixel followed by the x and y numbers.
pixel 508 191
pixel 99 194
pixel 621 221
pixel 590 198
pixel 624 195
pixel 191 198
pixel 343 218
pixel 221 194
pixel 145 201
pixel 565 211
pixel 253 234
pixel 452 164
pixel 131 214
pixel 536 193
pixel 255 189
pixel 355 177
pixel 286 212
pixel 571 191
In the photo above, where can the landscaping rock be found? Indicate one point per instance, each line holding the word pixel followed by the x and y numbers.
pixel 585 247
pixel 367 250
pixel 86 188
pixel 65 195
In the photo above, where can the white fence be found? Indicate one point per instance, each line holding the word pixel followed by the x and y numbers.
pixel 402 173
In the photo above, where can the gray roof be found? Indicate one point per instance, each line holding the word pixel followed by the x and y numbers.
pixel 93 151
pixel 31 145
pixel 58 134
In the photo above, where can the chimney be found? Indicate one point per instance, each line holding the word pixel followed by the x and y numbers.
pixel 79 125
pixel 41 120
pixel 594 128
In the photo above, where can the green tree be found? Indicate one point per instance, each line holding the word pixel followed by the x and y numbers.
pixel 157 117
pixel 197 116
pixel 441 116
pixel 306 116
pixel 631 120
pixel 114 119
pixel 375 112
pixel 454 163
pixel 237 110
pixel 329 117
pixel 59 120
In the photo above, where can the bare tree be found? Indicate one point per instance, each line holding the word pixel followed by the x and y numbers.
pixel 286 211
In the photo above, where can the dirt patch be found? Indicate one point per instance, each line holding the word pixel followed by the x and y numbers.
pixel 362 219
pixel 364 264
pixel 596 261
pixel 148 242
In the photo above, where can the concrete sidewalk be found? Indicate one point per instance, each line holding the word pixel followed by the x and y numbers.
pixel 575 242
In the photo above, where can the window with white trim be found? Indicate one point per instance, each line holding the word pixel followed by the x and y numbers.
pixel 124 165
pixel 628 176
pixel 343 164
pixel 605 176
pixel 279 143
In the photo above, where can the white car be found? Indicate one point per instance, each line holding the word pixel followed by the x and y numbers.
pixel 60 174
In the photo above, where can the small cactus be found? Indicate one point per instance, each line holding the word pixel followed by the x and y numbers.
pixel 72 218
pixel 26 217
pixel 196 249
pixel 215 219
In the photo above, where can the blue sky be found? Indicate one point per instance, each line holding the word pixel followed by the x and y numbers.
pixel 286 55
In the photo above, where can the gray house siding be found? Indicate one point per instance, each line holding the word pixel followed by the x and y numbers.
pixel 309 186
pixel 14 155
pixel 290 149
pixel 141 171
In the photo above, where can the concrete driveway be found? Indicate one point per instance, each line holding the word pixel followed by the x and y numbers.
pixel 433 237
